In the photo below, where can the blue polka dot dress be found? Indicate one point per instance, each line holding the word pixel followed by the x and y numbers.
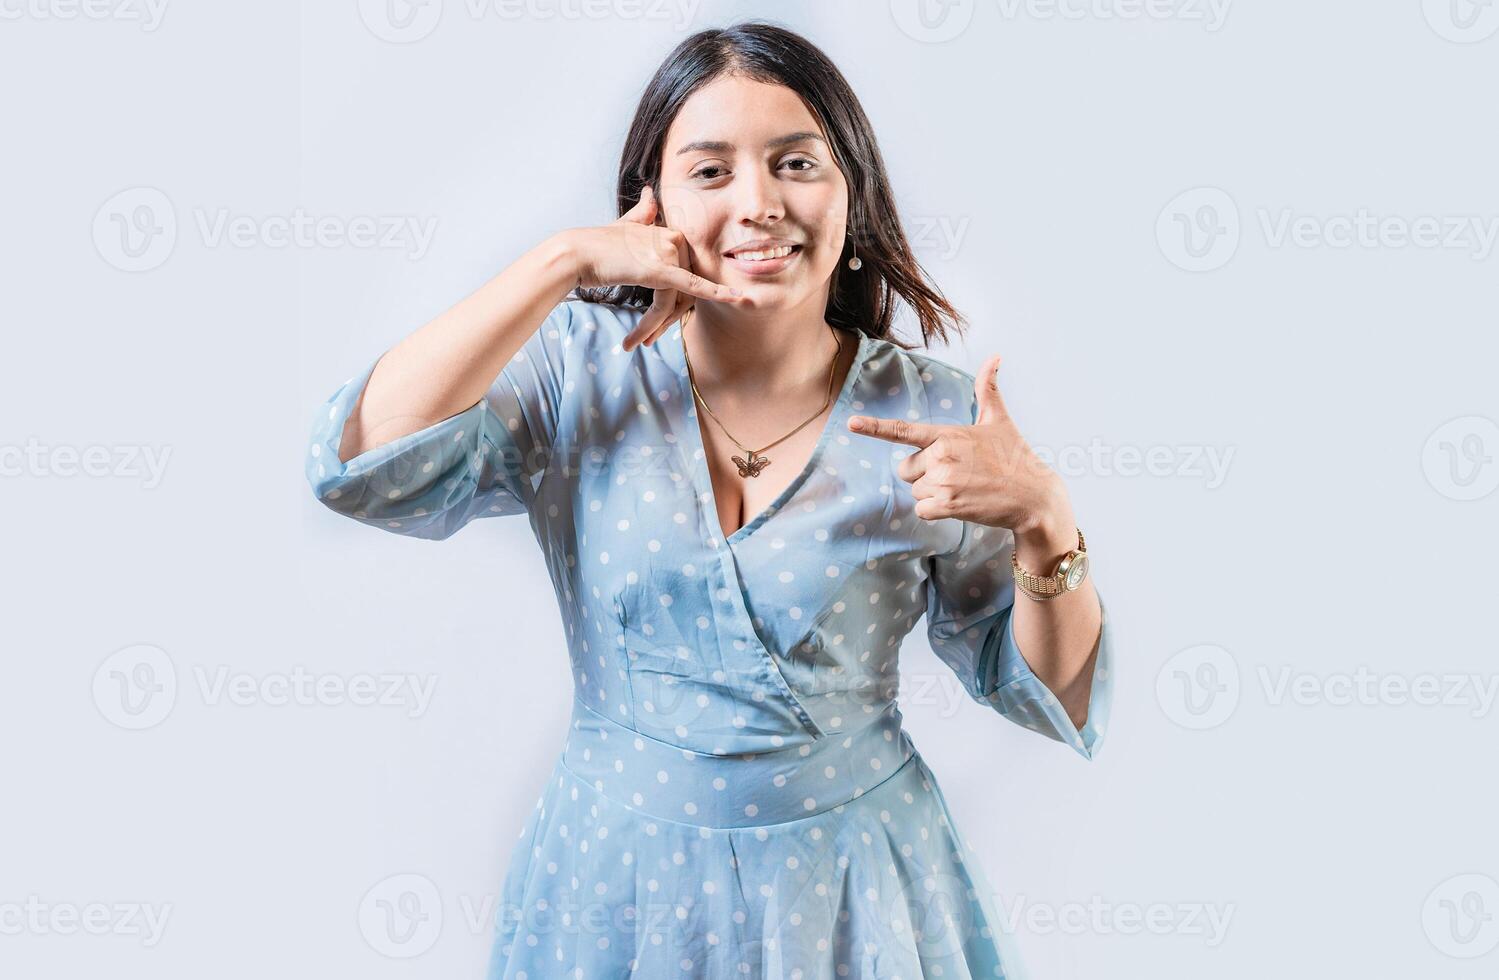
pixel 736 796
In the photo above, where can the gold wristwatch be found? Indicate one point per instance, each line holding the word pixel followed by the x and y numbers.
pixel 1067 578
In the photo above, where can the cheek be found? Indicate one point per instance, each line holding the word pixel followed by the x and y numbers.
pixel 823 218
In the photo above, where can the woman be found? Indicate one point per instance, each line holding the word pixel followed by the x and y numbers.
pixel 736 795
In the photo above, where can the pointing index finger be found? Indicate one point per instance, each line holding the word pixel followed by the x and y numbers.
pixel 919 434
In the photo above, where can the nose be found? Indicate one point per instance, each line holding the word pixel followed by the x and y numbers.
pixel 758 201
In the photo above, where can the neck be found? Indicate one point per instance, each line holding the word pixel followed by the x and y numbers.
pixel 761 353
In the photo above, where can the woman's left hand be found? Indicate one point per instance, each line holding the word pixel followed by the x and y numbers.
pixel 985 473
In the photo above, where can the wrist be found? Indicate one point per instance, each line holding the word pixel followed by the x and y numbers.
pixel 1042 541
pixel 557 258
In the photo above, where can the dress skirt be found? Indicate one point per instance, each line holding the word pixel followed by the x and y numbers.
pixel 815 862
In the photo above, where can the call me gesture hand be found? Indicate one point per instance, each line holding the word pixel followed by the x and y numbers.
pixel 986 473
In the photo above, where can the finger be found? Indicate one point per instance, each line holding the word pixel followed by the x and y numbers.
pixel 675 277
pixel 922 489
pixel 644 211
pixel 933 509
pixel 684 303
pixel 678 301
pixel 912 467
pixel 662 303
pixel 991 407
pixel 919 434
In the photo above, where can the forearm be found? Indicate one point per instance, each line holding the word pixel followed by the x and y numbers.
pixel 449 363
pixel 1058 637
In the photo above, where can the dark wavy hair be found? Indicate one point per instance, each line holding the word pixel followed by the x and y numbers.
pixel 862 300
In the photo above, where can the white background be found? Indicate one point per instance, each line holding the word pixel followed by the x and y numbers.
pixel 1049 162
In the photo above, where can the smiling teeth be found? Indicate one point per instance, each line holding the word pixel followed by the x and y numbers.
pixel 774 253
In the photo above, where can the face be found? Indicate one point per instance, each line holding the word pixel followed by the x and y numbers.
pixel 746 160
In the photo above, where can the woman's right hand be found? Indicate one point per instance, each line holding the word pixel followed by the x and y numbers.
pixel 634 250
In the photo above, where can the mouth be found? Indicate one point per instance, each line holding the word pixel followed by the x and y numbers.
pixel 763 262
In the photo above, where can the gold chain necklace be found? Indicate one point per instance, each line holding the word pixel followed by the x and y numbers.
pixel 756 462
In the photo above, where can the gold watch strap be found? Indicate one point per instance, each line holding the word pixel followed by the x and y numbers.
pixel 1043 586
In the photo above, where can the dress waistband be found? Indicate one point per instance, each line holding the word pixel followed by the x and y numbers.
pixel 740 790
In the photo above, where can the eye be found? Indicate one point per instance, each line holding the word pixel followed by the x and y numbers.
pixel 810 164
pixel 707 173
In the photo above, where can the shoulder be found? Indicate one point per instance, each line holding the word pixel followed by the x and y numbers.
pixel 934 389
pixel 579 332
pixel 603 323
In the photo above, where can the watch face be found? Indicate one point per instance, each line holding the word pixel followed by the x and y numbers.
pixel 1076 571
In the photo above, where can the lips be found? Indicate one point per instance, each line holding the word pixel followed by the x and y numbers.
pixel 763 262
pixel 765 252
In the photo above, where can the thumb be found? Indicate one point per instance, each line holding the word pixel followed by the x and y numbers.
pixel 644 211
pixel 990 405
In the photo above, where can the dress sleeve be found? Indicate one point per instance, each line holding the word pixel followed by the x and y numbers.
pixel 970 598
pixel 478 463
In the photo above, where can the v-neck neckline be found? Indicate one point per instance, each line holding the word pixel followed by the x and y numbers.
pixel 707 497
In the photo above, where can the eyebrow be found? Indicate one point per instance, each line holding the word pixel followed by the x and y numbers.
pixel 722 146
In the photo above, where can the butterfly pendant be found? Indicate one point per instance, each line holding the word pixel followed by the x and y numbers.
pixel 753 467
